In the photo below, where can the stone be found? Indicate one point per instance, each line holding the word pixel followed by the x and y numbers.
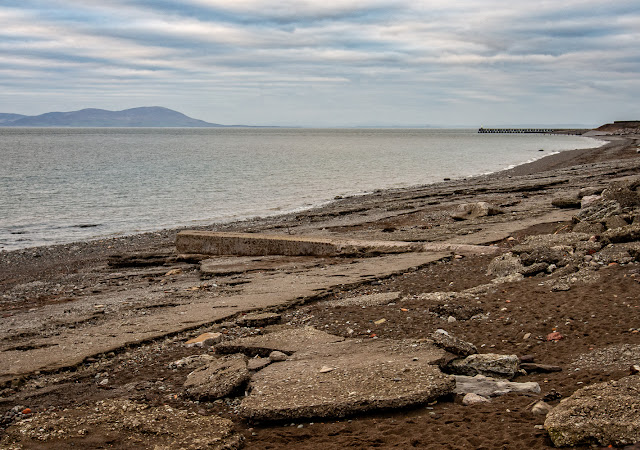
pixel 122 423
pixel 452 344
pixel 630 233
pixel 381 298
pixel 468 211
pixel 488 364
pixel 541 408
pixel 554 336
pixel 473 399
pixel 615 222
pixel 277 356
pixel 504 265
pixel 204 340
pixel 492 387
pixel 219 378
pixel 589 200
pixel 365 375
pixel 287 341
pixel 603 414
pixel 566 202
pixel 623 192
pixel 258 319
pixel 542 368
pixel 191 362
pixel 589 227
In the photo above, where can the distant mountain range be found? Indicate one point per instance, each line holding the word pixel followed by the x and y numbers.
pixel 149 116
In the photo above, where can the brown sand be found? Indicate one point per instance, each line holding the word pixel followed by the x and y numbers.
pixel 590 316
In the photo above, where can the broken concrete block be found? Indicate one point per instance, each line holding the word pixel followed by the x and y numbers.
pixel 218 379
pixel 488 364
pixel 287 341
pixel 468 211
pixel 603 414
pixel 492 387
pixel 452 344
pixel 343 378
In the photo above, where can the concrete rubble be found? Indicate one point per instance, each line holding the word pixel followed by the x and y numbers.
pixel 602 414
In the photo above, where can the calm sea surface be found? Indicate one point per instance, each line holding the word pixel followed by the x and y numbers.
pixel 63 185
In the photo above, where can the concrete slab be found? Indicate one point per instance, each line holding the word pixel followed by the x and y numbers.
pixel 253 244
pixel 287 341
pixel 343 378
pixel 132 316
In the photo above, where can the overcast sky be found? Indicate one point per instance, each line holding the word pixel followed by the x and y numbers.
pixel 326 62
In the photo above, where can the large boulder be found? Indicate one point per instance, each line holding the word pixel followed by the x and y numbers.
pixel 342 378
pixel 468 211
pixel 623 192
pixel 601 414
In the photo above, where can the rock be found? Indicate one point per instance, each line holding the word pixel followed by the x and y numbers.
pixel 177 271
pixel 468 211
pixel 623 192
pixel 630 233
pixel 451 319
pixel 589 227
pixel 536 268
pixel 590 191
pixel 452 344
pixel 258 363
pixel 204 340
pixel 287 341
pixel 541 408
pixel 615 222
pixel 603 414
pixel 589 200
pixel 618 253
pixel 504 265
pixel 217 379
pixel 191 362
pixel 259 320
pixel 492 387
pixel 277 356
pixel 381 298
pixel 542 368
pixel 122 423
pixel 473 399
pixel 555 336
pixel 366 375
pixel 488 364
pixel 566 202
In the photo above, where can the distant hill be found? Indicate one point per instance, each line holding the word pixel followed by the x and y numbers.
pixel 150 116
pixel 8 118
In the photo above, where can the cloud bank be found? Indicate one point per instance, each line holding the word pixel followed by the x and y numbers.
pixel 326 63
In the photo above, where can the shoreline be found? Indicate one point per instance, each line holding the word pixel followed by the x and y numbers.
pixel 541 164
pixel 89 325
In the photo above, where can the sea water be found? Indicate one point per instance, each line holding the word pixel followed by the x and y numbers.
pixel 59 185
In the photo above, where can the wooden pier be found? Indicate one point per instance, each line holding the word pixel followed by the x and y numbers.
pixel 518 130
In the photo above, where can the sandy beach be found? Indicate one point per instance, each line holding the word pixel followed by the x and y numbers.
pixel 90 324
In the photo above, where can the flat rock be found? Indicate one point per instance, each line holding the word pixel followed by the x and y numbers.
pixel 452 344
pixel 566 202
pixel 542 368
pixel 258 363
pixel 488 364
pixel 342 378
pixel 492 387
pixel 122 423
pixel 287 341
pixel 259 319
pixel 603 414
pixel 204 340
pixel 468 211
pixel 218 379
